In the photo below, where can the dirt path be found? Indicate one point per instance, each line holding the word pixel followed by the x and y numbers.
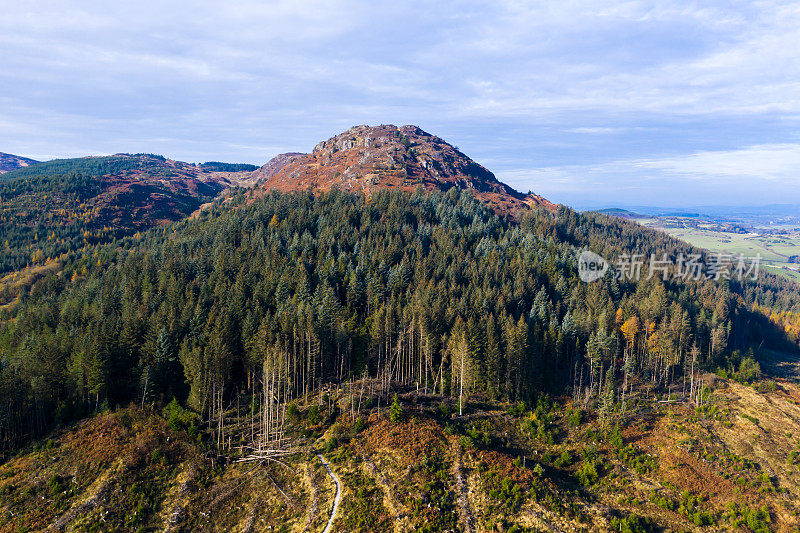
pixel 465 514
pixel 337 498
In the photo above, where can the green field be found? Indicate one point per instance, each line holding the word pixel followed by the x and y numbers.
pixel 775 250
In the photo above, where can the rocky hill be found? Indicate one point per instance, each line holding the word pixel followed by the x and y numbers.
pixel 58 206
pixel 9 162
pixel 367 158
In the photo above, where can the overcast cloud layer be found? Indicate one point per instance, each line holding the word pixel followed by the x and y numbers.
pixel 588 103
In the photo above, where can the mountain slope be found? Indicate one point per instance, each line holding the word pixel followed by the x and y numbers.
pixel 58 206
pixel 9 162
pixel 667 467
pixel 368 158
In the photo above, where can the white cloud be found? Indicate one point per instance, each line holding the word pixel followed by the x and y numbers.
pixel 679 86
pixel 770 162
pixel 761 173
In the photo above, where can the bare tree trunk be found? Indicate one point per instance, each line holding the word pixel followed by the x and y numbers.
pixel 461 389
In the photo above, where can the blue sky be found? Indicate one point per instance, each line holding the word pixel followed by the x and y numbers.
pixel 589 103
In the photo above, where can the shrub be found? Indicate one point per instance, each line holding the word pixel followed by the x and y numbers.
pixel 481 435
pixel 690 507
pixel 313 415
pixel 633 458
pixel 749 371
pixel 766 483
pixel 564 460
pixel 632 523
pixel 126 420
pixel 396 410
pixel 752 419
pixel 575 417
pixel 359 425
pixel 179 418
pixel 55 485
pixel 757 519
pixel 615 438
pixel 767 386
pixel 509 495
pixel 587 473
pixel 662 501
pixel 516 409
pixel 332 443
pixel 536 425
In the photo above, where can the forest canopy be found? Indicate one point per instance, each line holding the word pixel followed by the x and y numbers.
pixel 430 290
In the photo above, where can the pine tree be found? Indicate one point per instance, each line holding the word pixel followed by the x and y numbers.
pixel 395 410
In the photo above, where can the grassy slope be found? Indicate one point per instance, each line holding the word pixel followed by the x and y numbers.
pixel 676 465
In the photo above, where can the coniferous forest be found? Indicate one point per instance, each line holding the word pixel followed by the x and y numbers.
pixel 268 299
pixel 304 318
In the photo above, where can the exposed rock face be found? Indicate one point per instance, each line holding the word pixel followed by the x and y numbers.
pixel 275 165
pixel 367 158
pixel 10 162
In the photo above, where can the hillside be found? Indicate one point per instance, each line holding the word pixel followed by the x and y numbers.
pixel 59 206
pixel 328 286
pixel 9 162
pixel 730 465
pixel 370 158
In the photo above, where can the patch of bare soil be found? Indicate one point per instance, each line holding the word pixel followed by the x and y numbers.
pixel 312 512
pixel 466 515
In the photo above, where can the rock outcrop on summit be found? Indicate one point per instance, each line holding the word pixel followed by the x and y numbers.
pixel 368 158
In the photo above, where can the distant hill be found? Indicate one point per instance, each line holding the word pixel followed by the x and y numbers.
pixel 370 158
pixel 9 162
pixel 57 206
pixel 617 212
pixel 216 166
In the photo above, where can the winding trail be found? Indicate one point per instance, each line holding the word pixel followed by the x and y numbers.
pixel 336 498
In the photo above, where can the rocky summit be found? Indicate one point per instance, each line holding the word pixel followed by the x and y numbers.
pixel 368 158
